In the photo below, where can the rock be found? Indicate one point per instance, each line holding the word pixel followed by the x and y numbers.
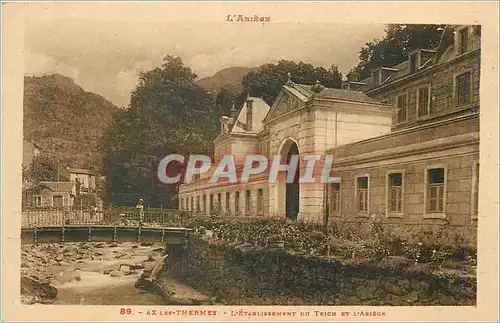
pixel 113 245
pixel 136 266
pixel 364 293
pixel 80 261
pixel 107 271
pixel 98 254
pixel 36 290
pixel 158 250
pixel 59 257
pixel 150 259
pixel 146 244
pixel 144 283
pixel 118 256
pixel 125 269
pixel 116 273
pixel 99 245
pixel 135 246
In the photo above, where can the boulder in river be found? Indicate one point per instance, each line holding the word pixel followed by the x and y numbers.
pixel 150 259
pixel 116 273
pixel 125 269
pixel 37 291
pixel 146 244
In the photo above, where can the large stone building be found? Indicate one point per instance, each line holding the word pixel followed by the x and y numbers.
pixel 405 143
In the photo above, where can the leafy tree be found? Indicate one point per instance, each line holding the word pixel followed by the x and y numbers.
pixel 398 42
pixel 168 113
pixel 42 168
pixel 267 81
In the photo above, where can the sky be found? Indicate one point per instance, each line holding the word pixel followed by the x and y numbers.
pixel 103 49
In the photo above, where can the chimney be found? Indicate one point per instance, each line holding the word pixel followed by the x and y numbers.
pixel 249 114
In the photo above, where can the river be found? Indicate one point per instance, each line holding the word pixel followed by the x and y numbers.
pixel 96 273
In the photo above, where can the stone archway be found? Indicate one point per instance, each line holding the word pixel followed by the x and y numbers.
pixel 289 193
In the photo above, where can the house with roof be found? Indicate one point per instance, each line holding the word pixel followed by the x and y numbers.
pixel 405 143
pixel 85 178
pixel 54 194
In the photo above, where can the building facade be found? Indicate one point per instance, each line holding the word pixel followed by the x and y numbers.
pixel 405 143
pixel 85 177
pixel 54 195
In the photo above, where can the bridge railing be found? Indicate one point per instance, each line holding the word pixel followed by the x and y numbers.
pixel 119 216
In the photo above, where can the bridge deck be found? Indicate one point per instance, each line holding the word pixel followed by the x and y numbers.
pixel 104 233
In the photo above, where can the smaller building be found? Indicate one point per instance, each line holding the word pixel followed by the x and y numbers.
pixel 85 177
pixel 54 194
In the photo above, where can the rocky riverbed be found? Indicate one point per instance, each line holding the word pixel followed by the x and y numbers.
pixel 98 274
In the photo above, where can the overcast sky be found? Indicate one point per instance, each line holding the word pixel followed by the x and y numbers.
pixel 104 53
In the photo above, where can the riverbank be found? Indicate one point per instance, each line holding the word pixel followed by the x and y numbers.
pixel 246 274
pixel 97 274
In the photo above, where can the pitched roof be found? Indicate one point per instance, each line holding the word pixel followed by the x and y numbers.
pixel 260 110
pixel 336 94
pixel 58 186
pixel 80 171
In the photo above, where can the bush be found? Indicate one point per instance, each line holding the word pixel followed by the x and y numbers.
pixel 374 239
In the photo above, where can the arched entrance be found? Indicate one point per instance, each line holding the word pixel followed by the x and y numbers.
pixel 288 193
pixel 292 189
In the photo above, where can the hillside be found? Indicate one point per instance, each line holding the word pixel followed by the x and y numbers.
pixel 229 78
pixel 64 119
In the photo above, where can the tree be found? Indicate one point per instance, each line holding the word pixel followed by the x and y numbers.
pixel 168 113
pixel 268 80
pixel 397 43
pixel 42 168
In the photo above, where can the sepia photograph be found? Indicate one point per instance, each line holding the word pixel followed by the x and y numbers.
pixel 247 161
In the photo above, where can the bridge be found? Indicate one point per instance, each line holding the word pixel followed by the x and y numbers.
pixel 58 226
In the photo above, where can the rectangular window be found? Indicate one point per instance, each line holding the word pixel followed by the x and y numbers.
pixel 37 200
pixel 237 202
pixel 402 108
pixel 396 192
pixel 248 195
pixel 423 102
pixel 436 189
pixel 464 41
pixel 228 197
pixel 260 200
pixel 335 198
pixel 463 88
pixel 362 194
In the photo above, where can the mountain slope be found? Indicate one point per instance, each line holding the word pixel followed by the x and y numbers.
pixel 65 120
pixel 229 78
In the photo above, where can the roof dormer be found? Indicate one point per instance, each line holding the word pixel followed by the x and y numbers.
pixel 381 74
pixel 420 58
pixel 466 38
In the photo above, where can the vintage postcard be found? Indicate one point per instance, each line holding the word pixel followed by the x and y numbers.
pixel 256 161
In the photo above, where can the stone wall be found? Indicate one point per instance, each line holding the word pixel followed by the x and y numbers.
pixel 253 276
